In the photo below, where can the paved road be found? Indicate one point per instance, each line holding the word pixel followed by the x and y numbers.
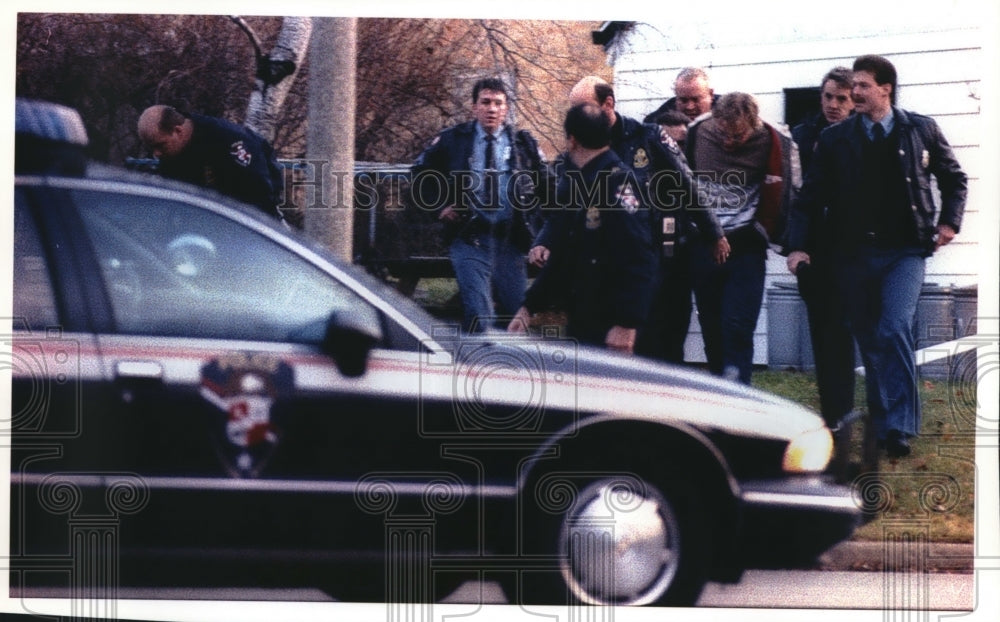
pixel 844 590
pixel 759 589
pixel 816 589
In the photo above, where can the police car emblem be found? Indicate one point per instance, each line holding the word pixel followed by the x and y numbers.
pixel 627 199
pixel 239 152
pixel 244 388
pixel 641 158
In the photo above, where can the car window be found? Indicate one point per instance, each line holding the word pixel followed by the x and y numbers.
pixel 34 301
pixel 173 269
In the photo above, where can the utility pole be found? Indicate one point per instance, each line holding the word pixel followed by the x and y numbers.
pixel 330 137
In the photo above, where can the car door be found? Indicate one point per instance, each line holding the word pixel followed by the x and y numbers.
pixel 56 384
pixel 247 438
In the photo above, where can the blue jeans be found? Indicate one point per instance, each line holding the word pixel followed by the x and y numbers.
pixel 729 298
pixel 484 265
pixel 881 288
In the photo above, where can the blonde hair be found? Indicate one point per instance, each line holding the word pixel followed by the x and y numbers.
pixel 734 106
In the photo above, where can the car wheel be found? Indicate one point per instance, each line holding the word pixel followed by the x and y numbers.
pixel 622 540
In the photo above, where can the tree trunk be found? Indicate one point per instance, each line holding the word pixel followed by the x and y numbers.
pixel 275 74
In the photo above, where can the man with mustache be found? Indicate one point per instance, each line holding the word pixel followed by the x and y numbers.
pixel 872 175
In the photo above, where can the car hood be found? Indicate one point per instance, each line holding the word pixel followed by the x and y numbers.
pixel 563 375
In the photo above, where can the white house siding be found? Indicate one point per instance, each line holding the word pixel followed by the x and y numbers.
pixel 939 58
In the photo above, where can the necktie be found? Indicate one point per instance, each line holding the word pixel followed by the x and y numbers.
pixel 490 196
pixel 878 133
pixel 491 157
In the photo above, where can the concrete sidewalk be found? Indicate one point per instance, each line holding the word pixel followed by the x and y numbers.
pixel 899 556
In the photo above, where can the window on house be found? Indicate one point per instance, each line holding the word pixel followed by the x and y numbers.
pixel 800 103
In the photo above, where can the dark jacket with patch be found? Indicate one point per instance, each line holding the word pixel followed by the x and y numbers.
pixel 834 181
pixel 602 266
pixel 231 159
pixel 665 181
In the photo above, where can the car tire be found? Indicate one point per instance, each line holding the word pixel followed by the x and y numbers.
pixel 622 539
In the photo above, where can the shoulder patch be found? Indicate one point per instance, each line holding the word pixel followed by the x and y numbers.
pixel 625 196
pixel 668 141
pixel 240 154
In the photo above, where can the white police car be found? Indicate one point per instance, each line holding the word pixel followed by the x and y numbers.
pixel 202 397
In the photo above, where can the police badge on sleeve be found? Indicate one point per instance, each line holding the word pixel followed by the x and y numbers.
pixel 668 141
pixel 240 154
pixel 625 196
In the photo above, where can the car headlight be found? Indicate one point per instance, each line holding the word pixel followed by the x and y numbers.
pixel 808 452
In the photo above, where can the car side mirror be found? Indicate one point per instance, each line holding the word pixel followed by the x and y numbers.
pixel 348 339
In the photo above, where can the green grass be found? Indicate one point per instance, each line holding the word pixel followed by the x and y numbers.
pixel 435 293
pixel 931 491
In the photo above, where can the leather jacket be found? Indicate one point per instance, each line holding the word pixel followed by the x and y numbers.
pixel 834 180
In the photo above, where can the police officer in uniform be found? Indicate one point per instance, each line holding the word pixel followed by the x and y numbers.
pixel 213 153
pixel 601 267
pixel 870 183
pixel 480 179
pixel 667 187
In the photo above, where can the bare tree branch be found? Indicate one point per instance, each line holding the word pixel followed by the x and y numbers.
pixel 275 74
pixel 254 41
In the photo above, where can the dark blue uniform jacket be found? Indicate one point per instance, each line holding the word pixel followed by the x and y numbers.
pixel 602 266
pixel 230 159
